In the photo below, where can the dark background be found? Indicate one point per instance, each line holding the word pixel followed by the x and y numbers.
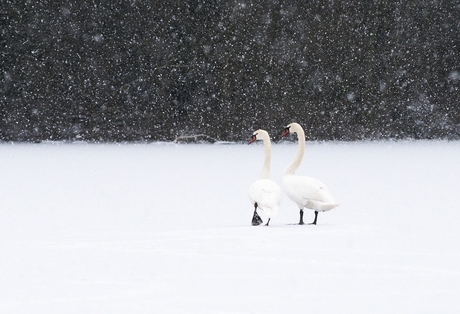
pixel 153 70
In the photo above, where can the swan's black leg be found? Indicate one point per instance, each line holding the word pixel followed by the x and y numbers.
pixel 256 220
pixel 268 222
pixel 316 217
pixel 301 217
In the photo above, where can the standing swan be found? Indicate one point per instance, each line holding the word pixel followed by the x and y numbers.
pixel 305 191
pixel 264 193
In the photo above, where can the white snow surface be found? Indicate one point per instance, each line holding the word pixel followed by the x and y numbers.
pixel 166 228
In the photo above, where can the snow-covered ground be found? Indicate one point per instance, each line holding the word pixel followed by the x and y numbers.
pixel 164 228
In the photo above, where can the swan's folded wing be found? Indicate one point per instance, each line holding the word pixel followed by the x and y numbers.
pixel 317 192
pixel 308 188
pixel 272 188
pixel 310 192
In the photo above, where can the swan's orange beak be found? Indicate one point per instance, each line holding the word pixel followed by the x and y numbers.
pixel 253 139
pixel 286 132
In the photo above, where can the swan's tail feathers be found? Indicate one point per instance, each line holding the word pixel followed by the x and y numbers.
pixel 321 206
pixel 328 206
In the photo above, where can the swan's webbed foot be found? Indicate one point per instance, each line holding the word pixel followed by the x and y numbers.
pixel 268 222
pixel 256 220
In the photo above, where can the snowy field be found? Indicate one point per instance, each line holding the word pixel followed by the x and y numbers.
pixel 165 228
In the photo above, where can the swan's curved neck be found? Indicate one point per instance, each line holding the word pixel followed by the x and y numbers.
pixel 265 173
pixel 300 151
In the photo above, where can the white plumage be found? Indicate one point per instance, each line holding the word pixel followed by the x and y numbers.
pixel 306 192
pixel 264 193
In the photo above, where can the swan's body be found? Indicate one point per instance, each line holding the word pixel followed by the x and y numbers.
pixel 264 193
pixel 306 192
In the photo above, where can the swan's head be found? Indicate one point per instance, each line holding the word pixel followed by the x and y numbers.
pixel 258 135
pixel 291 128
pixel 286 131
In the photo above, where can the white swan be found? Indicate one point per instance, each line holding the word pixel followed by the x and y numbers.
pixel 306 192
pixel 264 193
